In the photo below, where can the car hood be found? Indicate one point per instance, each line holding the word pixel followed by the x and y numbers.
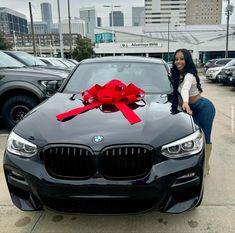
pixel 24 72
pixel 54 71
pixel 157 127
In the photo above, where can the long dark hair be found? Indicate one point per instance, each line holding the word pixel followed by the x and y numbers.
pixel 175 76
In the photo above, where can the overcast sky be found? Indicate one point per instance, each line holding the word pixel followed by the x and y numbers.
pixel 23 7
pixel 125 6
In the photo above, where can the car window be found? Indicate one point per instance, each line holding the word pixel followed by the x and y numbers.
pixel 148 76
pixel 46 62
pixel 29 59
pixel 231 63
pixel 223 62
pixel 8 61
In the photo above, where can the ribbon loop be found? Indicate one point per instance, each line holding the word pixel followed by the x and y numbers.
pixel 112 93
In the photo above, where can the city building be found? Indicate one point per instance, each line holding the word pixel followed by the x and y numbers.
pixel 116 18
pixel 205 41
pixel 77 26
pixel 47 15
pixel 39 27
pixel 88 14
pixel 165 11
pixel 12 22
pixel 203 12
pixel 47 44
pixel 138 15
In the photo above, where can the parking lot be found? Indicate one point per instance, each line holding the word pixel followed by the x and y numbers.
pixel 216 213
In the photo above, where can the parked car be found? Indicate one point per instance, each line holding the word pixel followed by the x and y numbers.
pixel 53 61
pixel 226 72
pixel 213 73
pixel 102 161
pixel 35 63
pixel 21 89
pixel 74 61
pixel 216 63
pixel 68 63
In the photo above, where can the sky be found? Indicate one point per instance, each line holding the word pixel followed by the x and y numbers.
pixel 22 6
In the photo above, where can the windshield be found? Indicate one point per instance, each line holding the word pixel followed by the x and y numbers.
pixel 7 61
pixel 231 63
pixel 150 77
pixel 29 59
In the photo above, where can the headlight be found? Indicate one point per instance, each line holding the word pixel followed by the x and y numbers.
pixel 19 146
pixel 187 146
pixel 56 83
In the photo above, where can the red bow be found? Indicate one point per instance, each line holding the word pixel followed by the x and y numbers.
pixel 112 93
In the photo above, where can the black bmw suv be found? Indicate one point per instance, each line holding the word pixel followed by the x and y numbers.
pixel 107 142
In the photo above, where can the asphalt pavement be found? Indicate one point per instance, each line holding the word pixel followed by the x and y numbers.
pixel 215 215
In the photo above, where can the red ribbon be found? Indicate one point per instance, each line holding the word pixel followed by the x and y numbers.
pixel 112 93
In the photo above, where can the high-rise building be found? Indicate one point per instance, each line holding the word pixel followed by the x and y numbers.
pixel 165 11
pixel 39 27
pixel 203 12
pixel 118 19
pixel 47 15
pixel 137 16
pixel 77 26
pixel 12 22
pixel 88 14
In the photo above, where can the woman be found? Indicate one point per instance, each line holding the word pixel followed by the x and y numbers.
pixel 187 92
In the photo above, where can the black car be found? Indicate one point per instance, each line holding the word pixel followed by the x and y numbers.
pixel 22 88
pixel 99 145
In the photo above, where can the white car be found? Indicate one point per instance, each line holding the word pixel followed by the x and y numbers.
pixel 213 73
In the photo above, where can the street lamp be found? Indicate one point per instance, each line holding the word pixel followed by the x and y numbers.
pixel 228 12
pixel 112 6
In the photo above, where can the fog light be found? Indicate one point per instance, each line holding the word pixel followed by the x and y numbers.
pixel 189 175
pixel 17 175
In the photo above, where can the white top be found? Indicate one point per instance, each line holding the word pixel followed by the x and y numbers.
pixel 188 87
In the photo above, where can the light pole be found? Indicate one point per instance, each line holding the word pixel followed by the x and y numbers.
pixel 70 35
pixel 228 12
pixel 112 6
pixel 168 40
pixel 60 32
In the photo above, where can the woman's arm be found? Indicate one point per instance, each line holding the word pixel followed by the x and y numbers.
pixel 187 83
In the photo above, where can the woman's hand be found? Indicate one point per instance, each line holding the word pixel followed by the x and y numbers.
pixel 186 108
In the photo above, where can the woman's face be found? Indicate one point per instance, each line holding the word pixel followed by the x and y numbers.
pixel 179 61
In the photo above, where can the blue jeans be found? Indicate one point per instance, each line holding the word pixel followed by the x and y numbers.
pixel 203 115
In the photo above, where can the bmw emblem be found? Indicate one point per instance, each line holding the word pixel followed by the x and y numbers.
pixel 98 138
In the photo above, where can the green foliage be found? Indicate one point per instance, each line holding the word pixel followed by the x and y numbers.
pixel 83 49
pixel 4 44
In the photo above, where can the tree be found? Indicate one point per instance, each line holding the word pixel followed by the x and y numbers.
pixel 83 49
pixel 4 44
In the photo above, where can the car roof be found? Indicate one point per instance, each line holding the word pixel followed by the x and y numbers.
pixel 123 59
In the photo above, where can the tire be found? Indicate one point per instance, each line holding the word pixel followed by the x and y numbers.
pixel 15 108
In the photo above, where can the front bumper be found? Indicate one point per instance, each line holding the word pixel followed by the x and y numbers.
pixel 172 186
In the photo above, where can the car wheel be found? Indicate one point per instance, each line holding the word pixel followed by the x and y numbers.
pixel 15 108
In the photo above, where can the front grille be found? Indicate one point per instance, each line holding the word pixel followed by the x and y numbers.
pixel 65 161
pixel 125 162
pixel 116 162
pixel 99 206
